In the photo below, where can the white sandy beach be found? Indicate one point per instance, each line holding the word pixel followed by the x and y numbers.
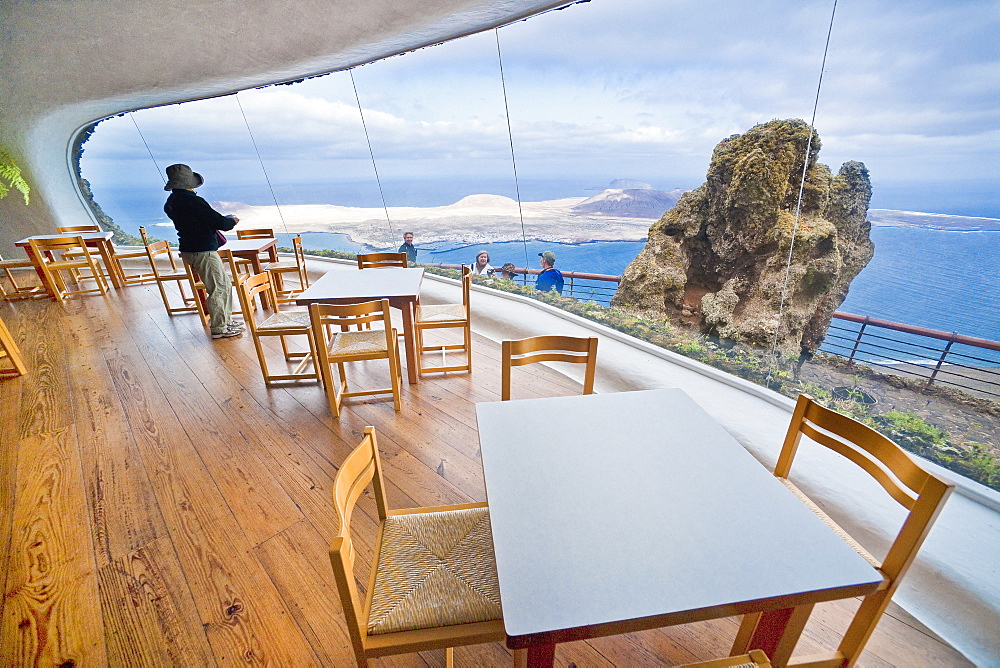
pixel 473 219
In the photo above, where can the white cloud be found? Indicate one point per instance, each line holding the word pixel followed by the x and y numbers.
pixel 636 86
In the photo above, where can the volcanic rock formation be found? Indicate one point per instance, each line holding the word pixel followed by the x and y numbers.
pixel 718 260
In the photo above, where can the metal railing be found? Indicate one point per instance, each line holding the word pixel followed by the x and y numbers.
pixel 599 288
pixel 960 361
pixel 948 358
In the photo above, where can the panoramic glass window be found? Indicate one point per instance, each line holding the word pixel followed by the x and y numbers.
pixel 577 130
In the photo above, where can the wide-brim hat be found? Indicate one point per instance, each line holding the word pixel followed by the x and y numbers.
pixel 181 177
pixel 509 269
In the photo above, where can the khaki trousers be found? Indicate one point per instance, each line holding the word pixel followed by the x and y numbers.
pixel 209 267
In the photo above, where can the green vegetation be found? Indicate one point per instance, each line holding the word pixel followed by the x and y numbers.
pixel 972 460
pixel 10 177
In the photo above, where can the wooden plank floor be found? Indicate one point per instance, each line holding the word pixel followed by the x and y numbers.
pixel 160 506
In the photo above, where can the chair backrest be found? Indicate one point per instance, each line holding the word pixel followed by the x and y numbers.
pixel 300 260
pixel 78 228
pixel 379 260
pixel 360 468
pixel 154 250
pixel 346 316
pixel 259 233
pixel 548 349
pixel 57 244
pixel 142 233
pixel 248 287
pixel 919 491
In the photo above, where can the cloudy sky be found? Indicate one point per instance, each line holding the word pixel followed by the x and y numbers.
pixel 608 89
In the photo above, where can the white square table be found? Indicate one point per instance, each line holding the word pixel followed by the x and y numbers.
pixel 621 512
pixel 400 286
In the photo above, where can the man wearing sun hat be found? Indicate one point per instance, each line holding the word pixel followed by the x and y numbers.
pixel 197 224
pixel 550 278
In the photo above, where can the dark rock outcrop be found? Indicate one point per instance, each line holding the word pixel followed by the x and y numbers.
pixel 718 260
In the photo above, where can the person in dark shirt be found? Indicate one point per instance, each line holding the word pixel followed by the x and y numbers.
pixel 550 278
pixel 408 248
pixel 197 224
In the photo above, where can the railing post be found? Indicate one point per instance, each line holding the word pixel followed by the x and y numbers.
pixel 857 341
pixel 944 353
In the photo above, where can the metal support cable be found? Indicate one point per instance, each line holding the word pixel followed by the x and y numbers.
pixel 798 204
pixel 261 161
pixel 513 162
pixel 378 181
pixel 159 171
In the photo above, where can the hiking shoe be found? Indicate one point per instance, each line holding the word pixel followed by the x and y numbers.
pixel 234 329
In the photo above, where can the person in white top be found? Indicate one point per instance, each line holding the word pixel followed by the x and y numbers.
pixel 482 266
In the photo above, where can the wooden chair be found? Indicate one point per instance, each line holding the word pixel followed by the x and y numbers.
pixel 51 254
pixel 179 277
pixel 416 600
pixel 9 350
pixel 19 291
pixel 548 349
pixel 140 278
pixel 380 260
pixel 270 255
pixel 117 255
pixel 280 324
pixel 922 493
pixel 438 316
pixel 338 347
pixel 278 270
pixel 755 659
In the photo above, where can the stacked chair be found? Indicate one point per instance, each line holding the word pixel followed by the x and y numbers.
pixel 280 324
pixel 18 291
pixel 67 254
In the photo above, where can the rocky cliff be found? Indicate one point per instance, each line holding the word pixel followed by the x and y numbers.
pixel 717 260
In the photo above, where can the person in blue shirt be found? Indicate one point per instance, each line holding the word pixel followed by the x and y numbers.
pixel 550 278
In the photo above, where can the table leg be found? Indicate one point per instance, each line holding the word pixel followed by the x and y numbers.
pixel 409 341
pixel 539 656
pixel 42 276
pixel 106 250
pixel 777 632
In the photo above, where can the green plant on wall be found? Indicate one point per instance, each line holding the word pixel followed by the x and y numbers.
pixel 10 177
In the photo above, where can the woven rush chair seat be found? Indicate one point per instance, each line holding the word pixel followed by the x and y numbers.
pixel 283 319
pixel 446 316
pixel 433 581
pixel 280 324
pixel 277 266
pixel 353 343
pixel 441 312
pixel 431 572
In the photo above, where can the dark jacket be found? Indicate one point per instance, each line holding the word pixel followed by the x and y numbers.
pixel 411 253
pixel 195 221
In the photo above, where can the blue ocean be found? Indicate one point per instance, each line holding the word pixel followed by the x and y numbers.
pixel 943 280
